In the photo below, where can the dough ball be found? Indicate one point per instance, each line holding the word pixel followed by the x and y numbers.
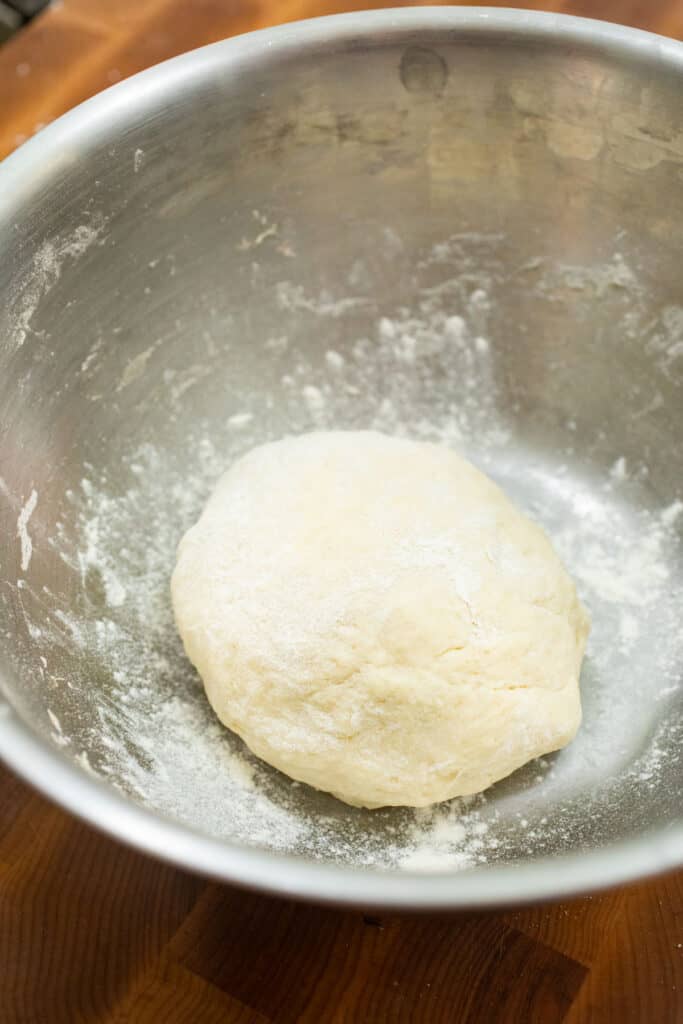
pixel 375 618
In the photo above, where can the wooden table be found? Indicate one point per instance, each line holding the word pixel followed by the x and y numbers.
pixel 90 931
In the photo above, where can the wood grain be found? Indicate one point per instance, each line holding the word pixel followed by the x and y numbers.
pixel 93 932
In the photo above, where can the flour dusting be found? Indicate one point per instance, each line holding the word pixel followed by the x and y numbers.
pixel 131 709
pixel 22 530
pixel 45 271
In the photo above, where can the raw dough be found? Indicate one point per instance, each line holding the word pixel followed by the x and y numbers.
pixel 375 618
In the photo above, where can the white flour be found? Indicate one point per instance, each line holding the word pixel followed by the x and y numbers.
pixel 429 371
pixel 22 530
pixel 45 272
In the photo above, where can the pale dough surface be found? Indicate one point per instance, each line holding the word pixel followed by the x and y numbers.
pixel 374 617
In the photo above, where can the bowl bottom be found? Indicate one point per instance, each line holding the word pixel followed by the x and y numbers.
pixel 123 700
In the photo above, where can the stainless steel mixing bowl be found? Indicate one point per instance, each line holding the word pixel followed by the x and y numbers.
pixel 460 224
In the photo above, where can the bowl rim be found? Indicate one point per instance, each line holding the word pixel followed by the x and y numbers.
pixel 49 770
